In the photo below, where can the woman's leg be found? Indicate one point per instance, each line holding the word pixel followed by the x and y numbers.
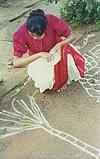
pixel 61 68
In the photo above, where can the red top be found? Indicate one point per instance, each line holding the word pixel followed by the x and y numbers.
pixel 23 42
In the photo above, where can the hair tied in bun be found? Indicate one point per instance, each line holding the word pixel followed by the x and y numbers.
pixel 38 12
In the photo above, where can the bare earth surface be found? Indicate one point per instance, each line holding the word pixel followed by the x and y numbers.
pixel 75 111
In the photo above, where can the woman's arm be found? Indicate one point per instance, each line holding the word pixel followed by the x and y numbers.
pixel 67 40
pixel 22 62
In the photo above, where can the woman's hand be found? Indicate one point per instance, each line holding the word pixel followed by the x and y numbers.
pixel 49 57
pixel 57 48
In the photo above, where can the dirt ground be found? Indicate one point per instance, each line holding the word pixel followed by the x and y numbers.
pixel 75 111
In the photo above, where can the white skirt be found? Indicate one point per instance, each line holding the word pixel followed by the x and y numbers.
pixel 42 72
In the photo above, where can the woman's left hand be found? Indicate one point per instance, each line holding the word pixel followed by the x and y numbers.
pixel 57 48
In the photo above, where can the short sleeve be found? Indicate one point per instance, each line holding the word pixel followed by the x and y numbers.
pixel 60 26
pixel 19 46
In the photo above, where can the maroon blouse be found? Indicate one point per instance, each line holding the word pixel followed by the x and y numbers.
pixel 24 43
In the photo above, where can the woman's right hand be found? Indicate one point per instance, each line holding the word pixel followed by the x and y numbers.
pixel 49 57
pixel 22 62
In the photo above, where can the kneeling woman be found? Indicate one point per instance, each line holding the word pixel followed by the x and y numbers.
pixel 52 60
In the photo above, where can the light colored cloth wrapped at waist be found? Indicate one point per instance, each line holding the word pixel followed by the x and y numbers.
pixel 73 73
pixel 42 72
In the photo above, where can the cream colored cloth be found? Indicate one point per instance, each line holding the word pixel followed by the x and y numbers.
pixel 73 73
pixel 42 72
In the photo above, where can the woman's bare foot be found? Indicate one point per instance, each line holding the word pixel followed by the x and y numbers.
pixel 62 88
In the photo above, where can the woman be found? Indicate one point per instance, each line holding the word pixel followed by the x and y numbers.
pixel 41 34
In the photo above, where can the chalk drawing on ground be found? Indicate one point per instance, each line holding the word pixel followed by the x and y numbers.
pixel 25 118
pixel 96 51
pixel 84 42
pixel 91 82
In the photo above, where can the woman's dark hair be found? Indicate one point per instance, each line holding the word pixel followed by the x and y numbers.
pixel 37 22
